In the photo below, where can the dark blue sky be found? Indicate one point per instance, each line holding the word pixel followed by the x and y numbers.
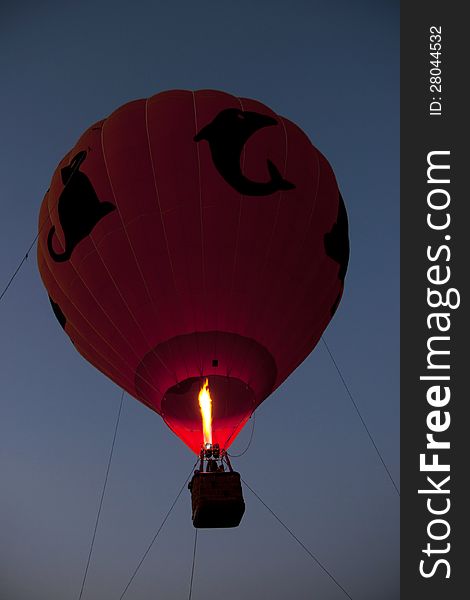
pixel 332 67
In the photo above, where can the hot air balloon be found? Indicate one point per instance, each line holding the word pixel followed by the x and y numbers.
pixel 195 243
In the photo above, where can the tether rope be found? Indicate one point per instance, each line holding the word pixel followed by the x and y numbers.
pixel 102 497
pixel 23 260
pixel 249 441
pixel 360 416
pixel 192 568
pixel 317 561
pixel 25 257
pixel 158 532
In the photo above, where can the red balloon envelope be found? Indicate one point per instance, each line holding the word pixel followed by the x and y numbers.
pixel 194 235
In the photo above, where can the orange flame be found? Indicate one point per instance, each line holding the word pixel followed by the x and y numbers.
pixel 205 404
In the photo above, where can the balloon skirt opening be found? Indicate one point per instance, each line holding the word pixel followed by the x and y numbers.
pixel 232 404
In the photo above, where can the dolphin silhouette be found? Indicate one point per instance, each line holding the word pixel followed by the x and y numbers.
pixel 79 208
pixel 227 134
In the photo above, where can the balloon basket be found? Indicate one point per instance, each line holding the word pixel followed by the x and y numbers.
pixel 217 499
pixel 216 494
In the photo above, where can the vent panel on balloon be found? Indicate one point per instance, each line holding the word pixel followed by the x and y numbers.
pixel 217 499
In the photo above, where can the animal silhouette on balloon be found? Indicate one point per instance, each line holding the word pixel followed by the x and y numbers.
pixel 79 208
pixel 227 135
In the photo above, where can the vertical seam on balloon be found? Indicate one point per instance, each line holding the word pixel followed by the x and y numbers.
pixel 249 375
pixel 81 279
pixel 93 296
pixel 269 246
pixel 157 198
pixel 201 209
pixel 97 303
pixel 237 239
pixel 201 222
pixel 122 221
pixel 319 330
pixel 98 353
pixel 312 212
pixel 167 245
pixel 103 365
pixel 315 199
pixel 72 324
pixel 151 348
pixel 162 219
pixel 313 276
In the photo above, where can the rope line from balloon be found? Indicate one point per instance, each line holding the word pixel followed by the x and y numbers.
pixel 102 497
pixel 361 417
pixel 317 561
pixel 25 257
pixel 158 532
pixel 23 260
pixel 192 568
pixel 249 441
